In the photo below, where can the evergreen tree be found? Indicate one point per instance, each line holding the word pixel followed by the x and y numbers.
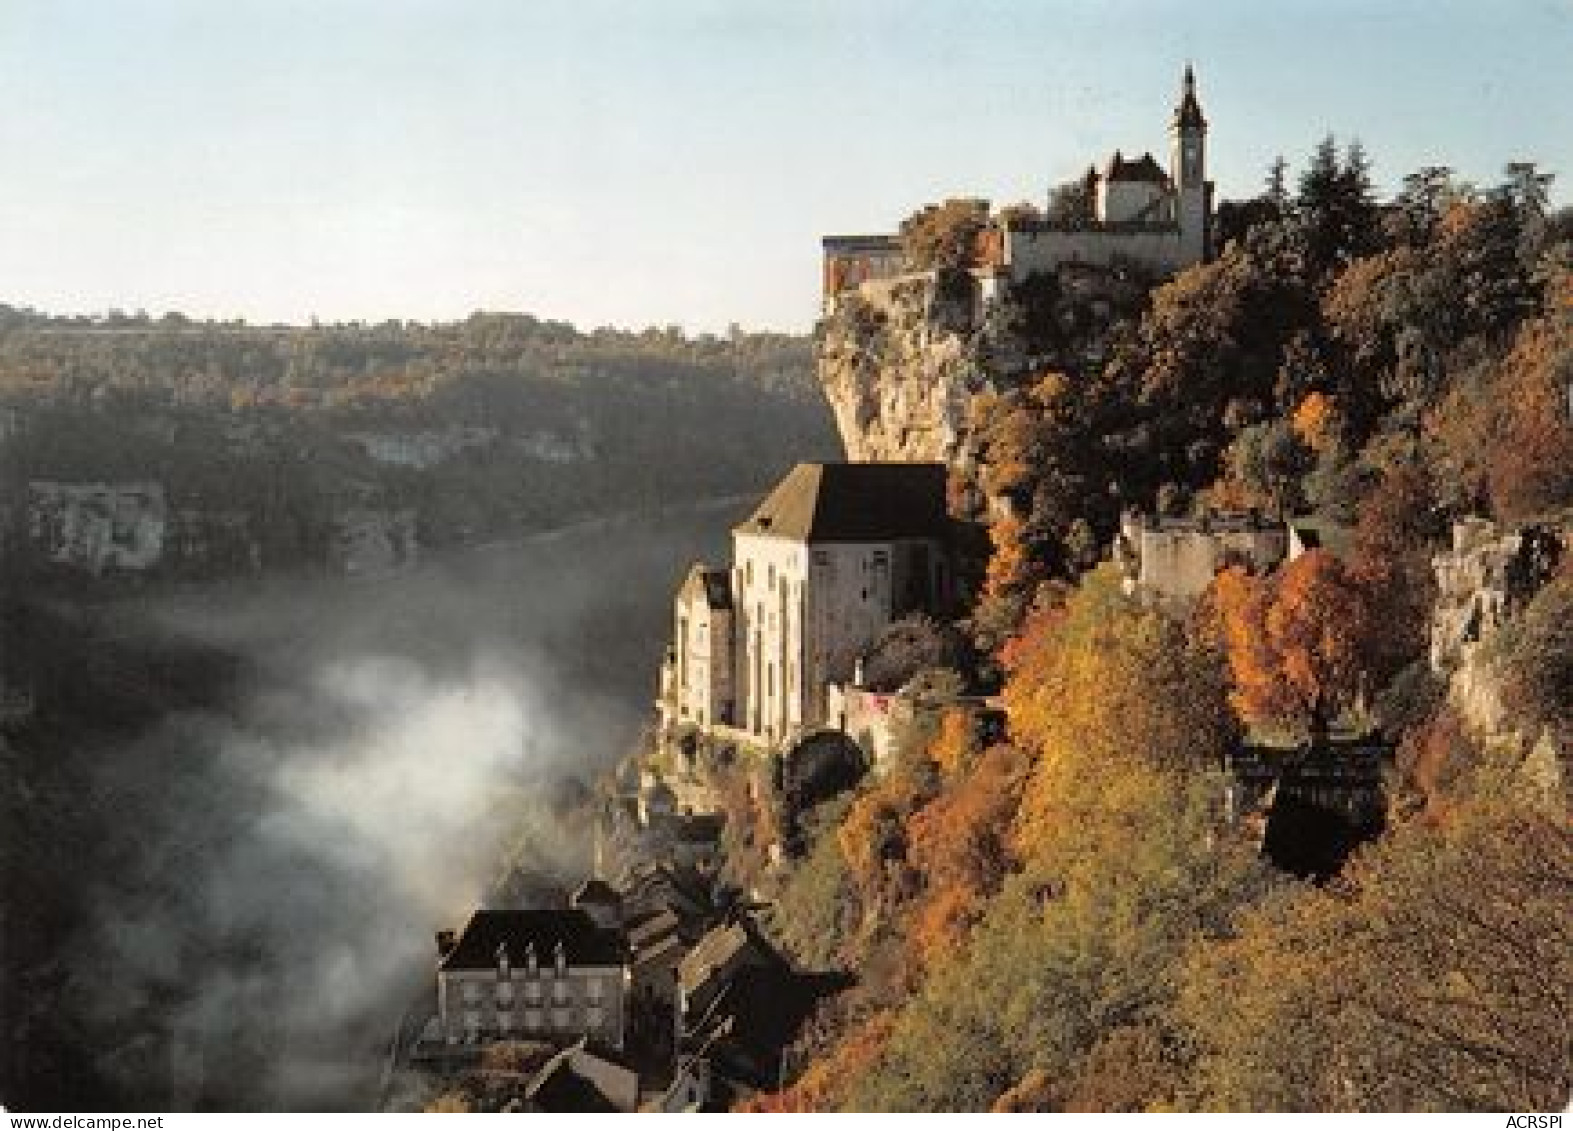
pixel 1336 208
pixel 1422 201
pixel 1277 190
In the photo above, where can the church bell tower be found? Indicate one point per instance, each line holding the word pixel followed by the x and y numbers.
pixel 1188 171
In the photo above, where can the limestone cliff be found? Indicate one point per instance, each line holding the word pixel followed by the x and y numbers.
pixel 899 361
pixel 1484 583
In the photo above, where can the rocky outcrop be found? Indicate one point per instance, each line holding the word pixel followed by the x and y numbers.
pixel 900 360
pixel 1483 583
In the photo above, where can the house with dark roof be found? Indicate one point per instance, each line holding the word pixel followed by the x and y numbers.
pixel 742 1006
pixel 598 899
pixel 553 975
pixel 829 558
pixel 580 1081
pixel 715 959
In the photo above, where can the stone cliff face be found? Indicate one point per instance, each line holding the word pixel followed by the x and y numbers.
pixel 1483 583
pixel 900 361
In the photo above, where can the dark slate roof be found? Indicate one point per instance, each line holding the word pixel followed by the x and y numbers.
pixel 718 589
pixel 854 502
pixel 653 926
pixel 595 890
pixel 1188 114
pixel 1144 168
pixel 558 1088
pixel 716 950
pixel 584 943
pixel 717 585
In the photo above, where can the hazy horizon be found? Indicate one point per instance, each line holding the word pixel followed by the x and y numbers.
pixel 608 163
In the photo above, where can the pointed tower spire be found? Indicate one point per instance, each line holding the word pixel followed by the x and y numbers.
pixel 1188 114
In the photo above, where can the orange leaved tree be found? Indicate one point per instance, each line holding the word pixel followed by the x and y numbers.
pixel 1299 643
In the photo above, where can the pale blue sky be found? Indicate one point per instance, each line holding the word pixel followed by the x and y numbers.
pixel 657 161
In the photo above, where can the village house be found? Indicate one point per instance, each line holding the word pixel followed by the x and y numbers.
pixel 1141 214
pixel 579 1081
pixel 1176 559
pixel 715 960
pixel 552 975
pixel 742 1006
pixel 830 558
pixel 648 825
pixel 422 448
pixel 656 946
pixel 599 900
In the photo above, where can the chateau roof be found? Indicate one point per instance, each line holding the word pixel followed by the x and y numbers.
pixel 854 502
pixel 488 932
pixel 1144 168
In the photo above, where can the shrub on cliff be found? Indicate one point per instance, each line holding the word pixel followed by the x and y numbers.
pixel 944 235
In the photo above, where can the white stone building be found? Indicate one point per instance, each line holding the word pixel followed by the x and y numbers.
pixel 543 974
pixel 702 648
pixel 830 558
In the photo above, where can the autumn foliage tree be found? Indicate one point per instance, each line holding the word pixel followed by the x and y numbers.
pixel 959 842
pixel 1298 642
pixel 1046 473
pixel 1435 976
pixel 1101 683
pixel 944 235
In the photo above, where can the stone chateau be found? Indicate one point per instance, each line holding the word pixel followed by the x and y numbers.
pixel 1141 213
pixel 904 350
